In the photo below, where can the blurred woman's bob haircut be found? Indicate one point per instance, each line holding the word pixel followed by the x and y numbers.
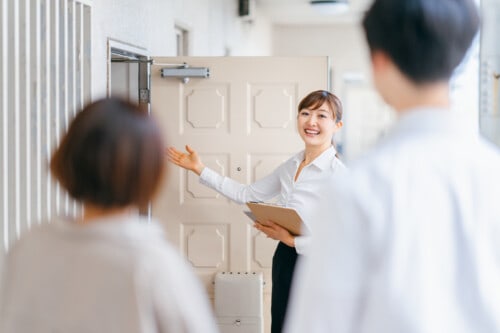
pixel 111 156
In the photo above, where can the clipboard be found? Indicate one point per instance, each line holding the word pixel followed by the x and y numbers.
pixel 286 217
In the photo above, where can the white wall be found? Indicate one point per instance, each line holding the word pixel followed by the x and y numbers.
pixel 344 42
pixel 214 26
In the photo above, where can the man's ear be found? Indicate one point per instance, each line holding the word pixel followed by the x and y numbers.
pixel 380 61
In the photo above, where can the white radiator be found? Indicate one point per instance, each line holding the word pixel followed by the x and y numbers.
pixel 239 302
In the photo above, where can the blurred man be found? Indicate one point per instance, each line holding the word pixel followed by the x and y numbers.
pixel 409 241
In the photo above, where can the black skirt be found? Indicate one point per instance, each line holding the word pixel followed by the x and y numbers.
pixel 284 260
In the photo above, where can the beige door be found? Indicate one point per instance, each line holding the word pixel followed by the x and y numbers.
pixel 242 121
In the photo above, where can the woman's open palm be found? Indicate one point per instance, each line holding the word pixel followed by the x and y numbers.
pixel 190 161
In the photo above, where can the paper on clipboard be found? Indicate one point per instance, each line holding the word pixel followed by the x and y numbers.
pixel 286 217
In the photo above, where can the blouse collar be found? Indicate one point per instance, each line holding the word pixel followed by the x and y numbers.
pixel 323 161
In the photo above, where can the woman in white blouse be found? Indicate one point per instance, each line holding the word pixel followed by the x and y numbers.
pixel 293 184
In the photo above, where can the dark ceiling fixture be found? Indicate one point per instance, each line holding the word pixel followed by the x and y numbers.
pixel 330 6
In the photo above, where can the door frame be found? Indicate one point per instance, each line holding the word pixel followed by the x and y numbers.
pixel 120 52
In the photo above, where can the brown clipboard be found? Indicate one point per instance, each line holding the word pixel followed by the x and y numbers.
pixel 286 217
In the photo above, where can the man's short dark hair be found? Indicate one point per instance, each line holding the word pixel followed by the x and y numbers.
pixel 426 39
pixel 111 156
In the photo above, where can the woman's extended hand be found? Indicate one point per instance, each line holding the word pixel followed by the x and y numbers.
pixel 274 231
pixel 190 161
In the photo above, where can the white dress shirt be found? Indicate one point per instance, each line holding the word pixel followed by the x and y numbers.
pixel 280 185
pixel 409 241
pixel 116 275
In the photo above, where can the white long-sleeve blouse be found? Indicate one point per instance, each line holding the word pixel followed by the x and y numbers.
pixel 281 186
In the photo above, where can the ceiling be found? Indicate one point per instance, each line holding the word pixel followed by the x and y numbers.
pixel 300 12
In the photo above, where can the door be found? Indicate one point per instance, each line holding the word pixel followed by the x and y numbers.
pixel 242 122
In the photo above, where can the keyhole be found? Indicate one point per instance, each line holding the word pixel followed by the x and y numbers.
pixel 238 169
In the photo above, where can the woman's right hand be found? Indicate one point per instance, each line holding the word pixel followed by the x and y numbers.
pixel 190 161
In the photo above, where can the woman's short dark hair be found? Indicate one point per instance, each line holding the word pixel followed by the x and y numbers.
pixel 315 99
pixel 111 156
pixel 426 39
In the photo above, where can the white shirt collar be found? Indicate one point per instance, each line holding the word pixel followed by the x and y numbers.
pixel 323 161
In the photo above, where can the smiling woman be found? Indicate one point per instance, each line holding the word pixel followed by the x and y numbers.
pixel 294 183
pixel 314 121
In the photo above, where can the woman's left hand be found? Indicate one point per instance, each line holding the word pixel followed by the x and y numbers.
pixel 274 231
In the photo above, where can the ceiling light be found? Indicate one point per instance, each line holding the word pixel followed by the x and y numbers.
pixel 330 6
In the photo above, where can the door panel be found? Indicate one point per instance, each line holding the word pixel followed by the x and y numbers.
pixel 242 122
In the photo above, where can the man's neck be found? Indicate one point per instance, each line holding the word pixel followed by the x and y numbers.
pixel 431 95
